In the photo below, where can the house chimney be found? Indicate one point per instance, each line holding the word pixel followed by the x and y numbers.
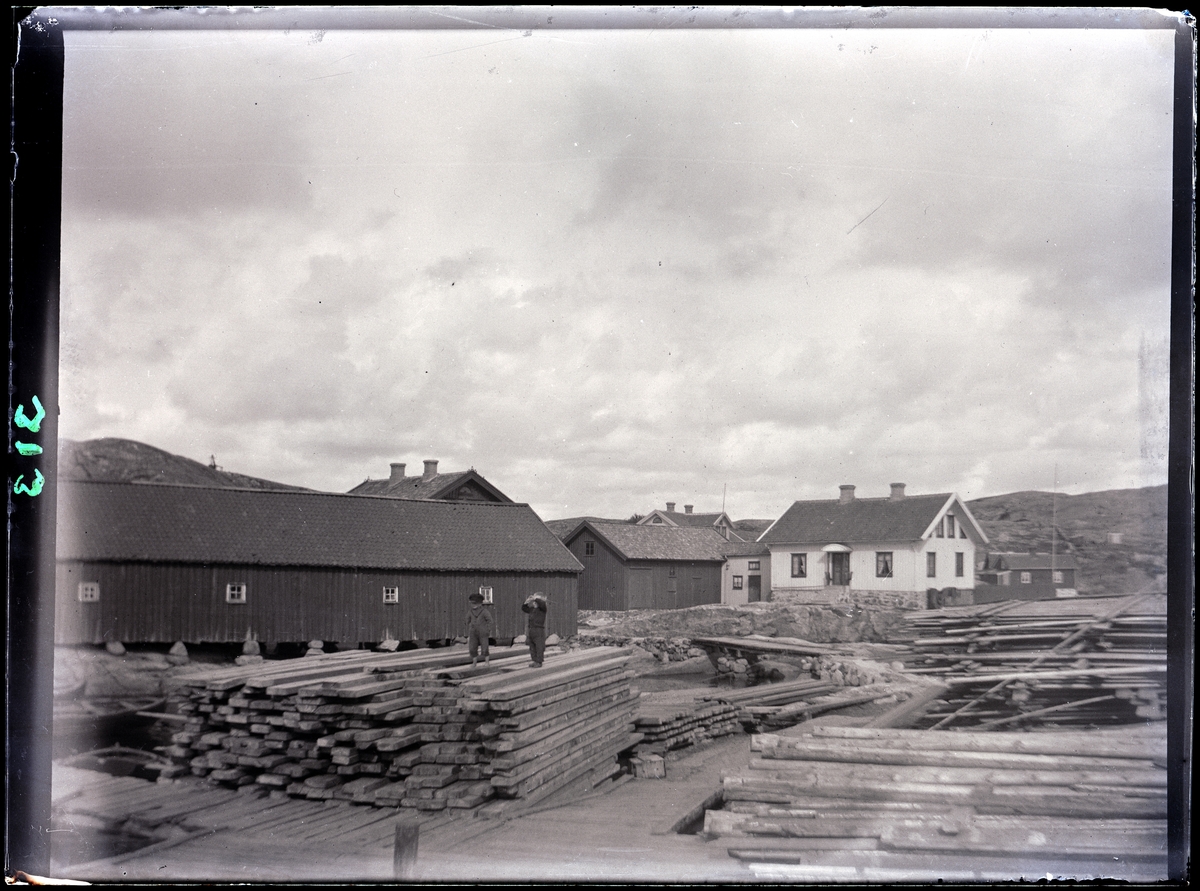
pixel 897 491
pixel 397 472
pixel 670 507
pixel 687 508
pixel 847 494
pixel 430 470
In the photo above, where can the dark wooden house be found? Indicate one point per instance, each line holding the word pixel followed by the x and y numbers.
pixel 463 485
pixel 160 563
pixel 1025 577
pixel 627 566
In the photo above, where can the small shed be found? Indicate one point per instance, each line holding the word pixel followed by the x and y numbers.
pixel 160 563
pixel 1008 576
pixel 627 566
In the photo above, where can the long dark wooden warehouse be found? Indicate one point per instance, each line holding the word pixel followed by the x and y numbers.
pixel 161 563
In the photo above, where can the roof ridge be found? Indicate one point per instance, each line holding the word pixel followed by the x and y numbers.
pixel 296 491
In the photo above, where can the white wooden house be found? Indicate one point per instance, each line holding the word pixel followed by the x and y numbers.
pixel 909 551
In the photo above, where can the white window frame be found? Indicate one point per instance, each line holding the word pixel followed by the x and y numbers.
pixel 1058 576
pixel 891 564
pixel 737 583
pixel 753 566
pixel 486 591
pixel 89 592
pixel 391 594
pixel 235 592
pixel 1027 578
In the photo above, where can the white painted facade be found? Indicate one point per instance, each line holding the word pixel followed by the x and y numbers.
pixel 736 578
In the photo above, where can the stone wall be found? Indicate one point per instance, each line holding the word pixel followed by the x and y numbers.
pixel 840 596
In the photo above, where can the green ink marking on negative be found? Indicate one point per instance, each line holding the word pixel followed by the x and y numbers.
pixel 33 424
pixel 33 491
pixel 28 448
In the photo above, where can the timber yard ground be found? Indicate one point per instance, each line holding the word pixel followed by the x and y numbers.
pixel 642 828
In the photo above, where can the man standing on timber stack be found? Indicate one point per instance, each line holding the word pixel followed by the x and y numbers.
pixel 479 629
pixel 535 630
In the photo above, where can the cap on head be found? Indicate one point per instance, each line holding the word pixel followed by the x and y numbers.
pixel 476 597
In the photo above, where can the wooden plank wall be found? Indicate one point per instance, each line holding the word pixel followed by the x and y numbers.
pixel 163 603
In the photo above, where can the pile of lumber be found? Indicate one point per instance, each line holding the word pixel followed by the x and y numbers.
pixel 666 726
pixel 418 729
pixel 779 705
pixel 1071 662
pixel 950 804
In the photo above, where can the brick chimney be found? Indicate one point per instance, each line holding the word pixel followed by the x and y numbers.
pixel 687 508
pixel 430 470
pixel 397 472
pixel 897 491
pixel 847 494
pixel 670 507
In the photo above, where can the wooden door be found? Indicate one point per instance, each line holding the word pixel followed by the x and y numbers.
pixel 754 589
pixel 641 589
pixel 839 569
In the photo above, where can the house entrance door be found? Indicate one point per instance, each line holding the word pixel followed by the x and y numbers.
pixel 839 569
pixel 641 589
pixel 754 589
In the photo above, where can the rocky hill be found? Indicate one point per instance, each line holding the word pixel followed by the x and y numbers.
pixel 126 461
pixel 1118 537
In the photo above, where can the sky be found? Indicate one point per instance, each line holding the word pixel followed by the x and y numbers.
pixel 614 269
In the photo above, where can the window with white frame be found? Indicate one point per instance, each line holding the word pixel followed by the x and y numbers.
pixel 753 566
pixel 883 564
pixel 737 583
pixel 1058 577
pixel 1026 578
pixel 89 592
pixel 391 595
pixel 235 592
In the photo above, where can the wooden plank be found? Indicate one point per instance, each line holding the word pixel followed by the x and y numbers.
pixel 542 680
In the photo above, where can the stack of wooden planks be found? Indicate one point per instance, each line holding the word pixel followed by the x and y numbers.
pixel 419 729
pixel 774 706
pixel 1070 662
pixel 950 804
pixel 665 726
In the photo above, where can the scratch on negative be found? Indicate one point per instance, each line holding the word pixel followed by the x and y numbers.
pixel 867 217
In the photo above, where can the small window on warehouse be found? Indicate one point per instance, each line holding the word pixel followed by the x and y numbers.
pixel 589 549
pixel 1026 578
pixel 737 583
pixel 754 566
pixel 235 592
pixel 391 595
pixel 89 592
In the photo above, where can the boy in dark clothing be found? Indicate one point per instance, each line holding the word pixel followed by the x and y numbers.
pixel 535 609
pixel 479 629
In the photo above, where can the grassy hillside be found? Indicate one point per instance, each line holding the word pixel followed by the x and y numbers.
pixel 125 461
pixel 1024 522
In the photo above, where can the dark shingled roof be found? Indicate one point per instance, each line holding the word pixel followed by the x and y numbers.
pixel 746 549
pixel 419 488
pixel 860 520
pixel 635 542
pixel 563 528
pixel 193 524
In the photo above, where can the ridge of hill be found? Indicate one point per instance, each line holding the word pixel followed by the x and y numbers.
pixel 114 460
pixel 1118 536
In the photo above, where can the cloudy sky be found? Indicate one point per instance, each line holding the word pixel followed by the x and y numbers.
pixel 611 269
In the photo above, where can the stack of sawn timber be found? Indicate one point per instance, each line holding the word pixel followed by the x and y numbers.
pixel 1085 661
pixel 666 726
pixel 842 797
pixel 385 729
pixel 774 706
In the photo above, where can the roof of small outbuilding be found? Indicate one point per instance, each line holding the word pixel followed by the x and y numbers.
pixel 635 542
pixel 193 524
